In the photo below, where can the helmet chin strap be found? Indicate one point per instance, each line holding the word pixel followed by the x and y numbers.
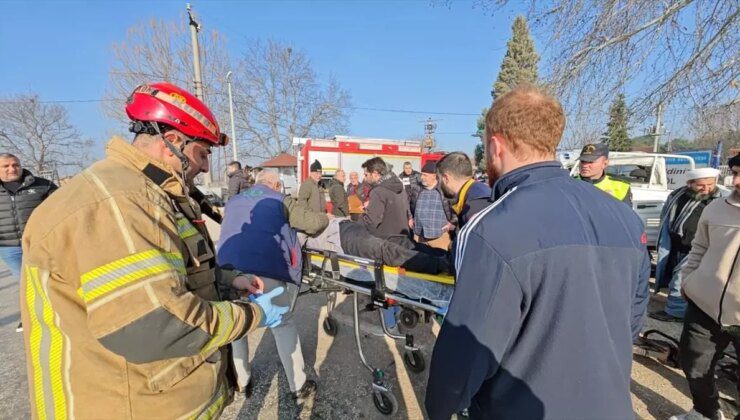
pixel 179 153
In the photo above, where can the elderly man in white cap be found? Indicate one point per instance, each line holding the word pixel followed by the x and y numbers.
pixel 678 223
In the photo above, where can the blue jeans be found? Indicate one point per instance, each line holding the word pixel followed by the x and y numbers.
pixel 389 316
pixel 12 256
pixel 676 304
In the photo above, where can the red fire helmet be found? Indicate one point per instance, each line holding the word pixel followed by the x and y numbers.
pixel 168 104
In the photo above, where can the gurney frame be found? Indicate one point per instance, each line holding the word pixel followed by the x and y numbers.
pixel 328 279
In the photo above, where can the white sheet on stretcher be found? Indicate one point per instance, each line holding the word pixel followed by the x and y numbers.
pixel 435 289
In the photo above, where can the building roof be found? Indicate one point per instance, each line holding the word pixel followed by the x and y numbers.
pixel 282 160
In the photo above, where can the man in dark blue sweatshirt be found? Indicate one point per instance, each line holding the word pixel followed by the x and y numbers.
pixel 551 285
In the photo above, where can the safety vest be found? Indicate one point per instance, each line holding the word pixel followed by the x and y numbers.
pixel 615 188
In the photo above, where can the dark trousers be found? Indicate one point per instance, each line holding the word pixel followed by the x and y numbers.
pixel 701 346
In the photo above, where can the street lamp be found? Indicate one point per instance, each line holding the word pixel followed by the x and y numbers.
pixel 231 114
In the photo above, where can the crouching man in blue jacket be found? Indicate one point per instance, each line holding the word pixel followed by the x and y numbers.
pixel 552 285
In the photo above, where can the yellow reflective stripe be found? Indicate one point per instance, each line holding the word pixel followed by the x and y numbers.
pixel 224 328
pixel 46 348
pixel 185 229
pixel 215 406
pixel 35 343
pixel 400 272
pixel 127 270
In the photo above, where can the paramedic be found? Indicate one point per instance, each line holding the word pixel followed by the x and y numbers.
pixel 566 281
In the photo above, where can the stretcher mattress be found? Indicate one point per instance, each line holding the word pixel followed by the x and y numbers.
pixel 429 288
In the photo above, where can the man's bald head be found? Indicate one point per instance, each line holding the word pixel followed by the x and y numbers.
pixel 269 177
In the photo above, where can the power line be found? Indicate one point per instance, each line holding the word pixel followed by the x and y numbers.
pixel 392 110
pixel 408 111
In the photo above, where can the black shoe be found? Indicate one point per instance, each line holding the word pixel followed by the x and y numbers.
pixel 308 389
pixel 665 317
pixel 247 390
pixel 19 328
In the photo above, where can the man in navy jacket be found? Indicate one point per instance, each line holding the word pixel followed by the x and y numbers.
pixel 551 285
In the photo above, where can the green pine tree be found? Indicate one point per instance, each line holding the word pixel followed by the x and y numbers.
pixel 616 129
pixel 520 62
pixel 480 156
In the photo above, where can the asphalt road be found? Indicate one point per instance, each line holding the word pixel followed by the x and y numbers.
pixel 344 385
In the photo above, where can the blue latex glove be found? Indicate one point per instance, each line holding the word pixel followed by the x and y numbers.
pixel 272 315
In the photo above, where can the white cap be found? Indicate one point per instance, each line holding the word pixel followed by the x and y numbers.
pixel 700 173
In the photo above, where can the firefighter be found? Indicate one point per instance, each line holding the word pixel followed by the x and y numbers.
pixel 594 160
pixel 122 299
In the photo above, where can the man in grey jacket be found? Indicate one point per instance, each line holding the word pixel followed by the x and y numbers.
pixel 712 321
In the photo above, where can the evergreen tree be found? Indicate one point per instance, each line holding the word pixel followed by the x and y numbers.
pixel 480 156
pixel 616 129
pixel 520 62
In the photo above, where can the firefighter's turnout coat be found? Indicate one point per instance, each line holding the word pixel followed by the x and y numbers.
pixel 119 300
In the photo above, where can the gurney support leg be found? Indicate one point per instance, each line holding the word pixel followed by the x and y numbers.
pixel 330 324
pixel 412 358
pixel 383 399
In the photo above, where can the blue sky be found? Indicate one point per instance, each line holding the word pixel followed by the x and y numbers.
pixel 410 55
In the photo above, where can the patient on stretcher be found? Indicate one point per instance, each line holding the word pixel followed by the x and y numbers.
pixel 422 276
pixel 345 236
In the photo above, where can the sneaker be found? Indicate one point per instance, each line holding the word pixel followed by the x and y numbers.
pixel 695 415
pixel 19 328
pixel 308 389
pixel 664 316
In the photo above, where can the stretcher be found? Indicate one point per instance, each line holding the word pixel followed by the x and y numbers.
pixel 420 296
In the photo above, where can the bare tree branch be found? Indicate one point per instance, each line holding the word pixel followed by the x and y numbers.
pixel 41 135
pixel 277 97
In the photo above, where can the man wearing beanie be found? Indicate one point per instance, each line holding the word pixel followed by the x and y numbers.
pixel 711 285
pixel 433 214
pixel 310 194
pixel 678 223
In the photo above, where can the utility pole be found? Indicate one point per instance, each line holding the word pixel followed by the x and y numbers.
pixel 231 114
pixel 658 128
pixel 197 81
pixel 430 126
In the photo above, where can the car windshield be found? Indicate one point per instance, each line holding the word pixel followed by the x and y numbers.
pixel 634 174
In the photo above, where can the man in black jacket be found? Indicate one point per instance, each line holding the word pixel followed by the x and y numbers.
pixel 387 213
pixel 411 181
pixel 20 194
pixel 238 182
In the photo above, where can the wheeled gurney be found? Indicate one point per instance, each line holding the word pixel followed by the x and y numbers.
pixel 419 295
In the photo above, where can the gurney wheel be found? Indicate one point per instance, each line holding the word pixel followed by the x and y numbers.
pixel 385 402
pixel 414 360
pixel 409 318
pixel 330 326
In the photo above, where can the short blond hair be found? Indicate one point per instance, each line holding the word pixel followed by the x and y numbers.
pixel 530 120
